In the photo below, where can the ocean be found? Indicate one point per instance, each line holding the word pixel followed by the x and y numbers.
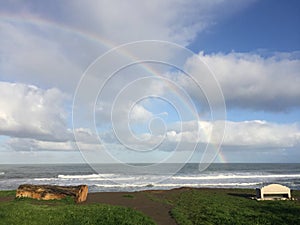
pixel 227 175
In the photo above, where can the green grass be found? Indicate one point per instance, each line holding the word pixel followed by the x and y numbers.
pixel 227 207
pixel 189 207
pixel 128 196
pixel 65 212
pixel 7 193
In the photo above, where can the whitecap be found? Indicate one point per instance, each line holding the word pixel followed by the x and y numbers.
pixel 234 176
pixel 87 176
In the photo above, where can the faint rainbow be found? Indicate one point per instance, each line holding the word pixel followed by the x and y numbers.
pixel 27 18
pixel 221 157
pixel 37 21
pixel 32 20
pixel 86 35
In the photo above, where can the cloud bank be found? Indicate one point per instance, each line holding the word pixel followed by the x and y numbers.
pixel 252 81
pixel 27 111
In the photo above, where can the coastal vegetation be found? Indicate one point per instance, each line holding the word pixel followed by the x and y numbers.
pixel 231 206
pixel 65 212
pixel 188 206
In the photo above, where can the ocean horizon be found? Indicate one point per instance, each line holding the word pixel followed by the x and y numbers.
pixel 113 177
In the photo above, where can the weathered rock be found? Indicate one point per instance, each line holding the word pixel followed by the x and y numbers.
pixel 50 192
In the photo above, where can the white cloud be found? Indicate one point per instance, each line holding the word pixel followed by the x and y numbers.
pixel 243 137
pixel 39 55
pixel 118 21
pixel 85 140
pixel 249 134
pixel 249 80
pixel 255 82
pixel 27 111
pixel 52 48
pixel 25 144
pixel 144 20
pixel 258 133
pixel 139 113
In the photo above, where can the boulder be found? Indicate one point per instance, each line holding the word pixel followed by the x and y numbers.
pixel 50 192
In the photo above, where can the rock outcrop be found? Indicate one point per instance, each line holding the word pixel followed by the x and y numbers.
pixel 50 192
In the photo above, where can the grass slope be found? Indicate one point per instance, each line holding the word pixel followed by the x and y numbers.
pixel 231 206
pixel 189 207
pixel 64 212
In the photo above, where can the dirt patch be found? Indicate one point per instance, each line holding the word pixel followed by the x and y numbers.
pixel 6 198
pixel 141 201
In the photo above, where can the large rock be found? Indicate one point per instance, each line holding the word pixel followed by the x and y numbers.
pixel 50 192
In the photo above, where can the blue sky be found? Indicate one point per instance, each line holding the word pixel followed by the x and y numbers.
pixel 149 112
pixel 263 26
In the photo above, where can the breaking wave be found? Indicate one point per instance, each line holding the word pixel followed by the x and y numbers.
pixel 219 176
pixel 234 176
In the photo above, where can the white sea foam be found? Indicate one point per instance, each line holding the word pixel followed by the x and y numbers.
pixel 233 176
pixel 88 176
pixel 123 181
pixel 209 184
pixel 115 177
pixel 2 173
pixel 44 179
pixel 105 177
pixel 172 185
pixel 123 185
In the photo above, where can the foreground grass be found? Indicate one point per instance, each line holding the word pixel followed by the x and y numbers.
pixel 64 212
pixel 227 207
pixel 7 193
pixel 189 207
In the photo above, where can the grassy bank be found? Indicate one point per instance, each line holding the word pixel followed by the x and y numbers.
pixel 187 207
pixel 231 206
pixel 64 212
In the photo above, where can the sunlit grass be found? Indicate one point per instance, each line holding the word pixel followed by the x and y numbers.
pixel 188 207
pixel 64 212
pixel 231 206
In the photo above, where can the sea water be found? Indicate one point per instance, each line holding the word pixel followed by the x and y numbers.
pixel 111 178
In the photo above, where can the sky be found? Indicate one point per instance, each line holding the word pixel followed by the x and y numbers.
pixel 150 81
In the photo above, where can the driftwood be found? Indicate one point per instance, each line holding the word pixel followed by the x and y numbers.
pixel 50 192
